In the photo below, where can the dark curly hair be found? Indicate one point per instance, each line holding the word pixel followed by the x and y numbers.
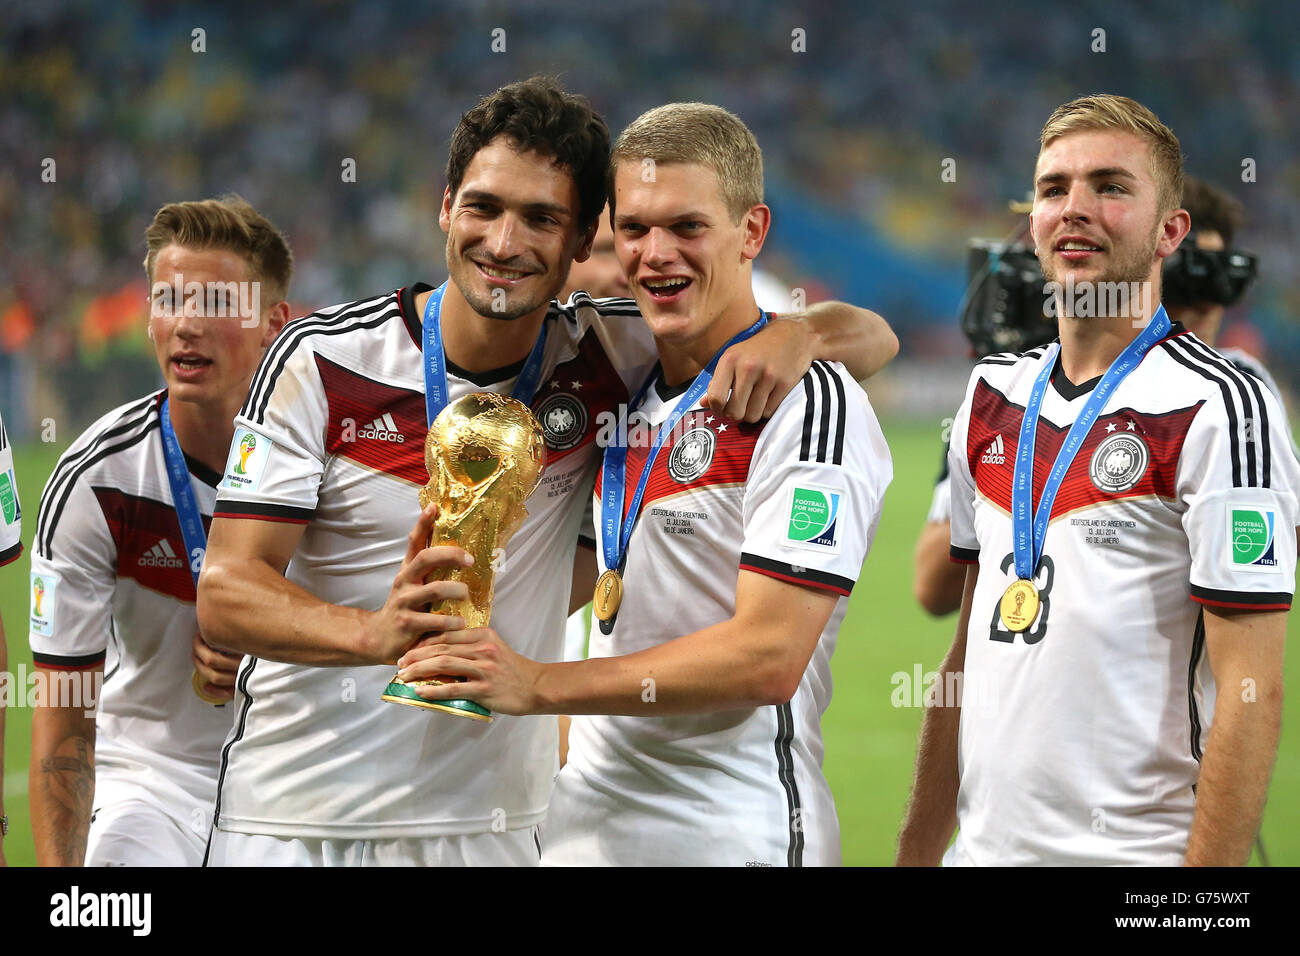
pixel 536 114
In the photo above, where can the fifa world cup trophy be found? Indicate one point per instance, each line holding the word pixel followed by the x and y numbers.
pixel 485 454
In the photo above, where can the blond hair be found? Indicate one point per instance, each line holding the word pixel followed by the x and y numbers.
pixel 229 223
pixel 697 133
pixel 1107 111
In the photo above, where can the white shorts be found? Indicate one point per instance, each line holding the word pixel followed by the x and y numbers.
pixel 136 832
pixel 508 848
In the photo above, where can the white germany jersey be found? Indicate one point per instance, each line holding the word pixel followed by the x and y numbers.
pixel 796 497
pixel 11 511
pixel 332 437
pixel 1081 738
pixel 111 586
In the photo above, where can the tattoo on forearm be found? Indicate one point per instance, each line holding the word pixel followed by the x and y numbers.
pixel 68 780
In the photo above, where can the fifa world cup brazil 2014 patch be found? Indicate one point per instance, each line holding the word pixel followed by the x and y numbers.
pixel 248 454
pixel 1251 538
pixel 691 455
pixel 42 594
pixel 1119 462
pixel 564 421
pixel 9 498
pixel 815 513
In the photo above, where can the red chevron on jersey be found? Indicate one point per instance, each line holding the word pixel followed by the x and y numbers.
pixel 579 395
pixel 1140 457
pixel 706 449
pixel 376 425
pixel 150 547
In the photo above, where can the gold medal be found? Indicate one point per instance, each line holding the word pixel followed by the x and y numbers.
pixel 204 696
pixel 608 596
pixel 1019 605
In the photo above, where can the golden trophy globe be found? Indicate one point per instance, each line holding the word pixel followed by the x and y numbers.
pixel 485 454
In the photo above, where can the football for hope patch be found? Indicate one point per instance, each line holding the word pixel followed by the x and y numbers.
pixel 813 520
pixel 248 454
pixel 9 506
pixel 42 593
pixel 1251 538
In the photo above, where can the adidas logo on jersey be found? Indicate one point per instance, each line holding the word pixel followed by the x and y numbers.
pixel 161 555
pixel 994 455
pixel 382 428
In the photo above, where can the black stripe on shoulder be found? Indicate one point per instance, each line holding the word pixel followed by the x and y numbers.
pixel 1172 347
pixel 614 305
pixel 809 395
pixel 838 456
pixel 1257 432
pixel 59 489
pixel 273 363
pixel 824 422
pixel 132 416
pixel 999 358
pixel 68 662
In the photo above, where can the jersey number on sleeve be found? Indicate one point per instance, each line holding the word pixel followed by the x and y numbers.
pixel 1038 630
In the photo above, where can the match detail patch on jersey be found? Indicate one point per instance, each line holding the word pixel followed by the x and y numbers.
pixel 814 518
pixel 248 456
pixel 9 498
pixel 43 592
pixel 1119 462
pixel 1251 539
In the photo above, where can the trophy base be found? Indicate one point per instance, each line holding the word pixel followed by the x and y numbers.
pixel 400 693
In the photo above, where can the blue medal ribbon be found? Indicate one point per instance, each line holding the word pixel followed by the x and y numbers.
pixel 1028 541
pixel 435 361
pixel 187 508
pixel 614 539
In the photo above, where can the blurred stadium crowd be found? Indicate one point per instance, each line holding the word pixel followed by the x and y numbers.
pixel 854 130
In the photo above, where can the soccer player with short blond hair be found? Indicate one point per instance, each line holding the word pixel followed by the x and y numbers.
pixel 1126 501
pixel 119 541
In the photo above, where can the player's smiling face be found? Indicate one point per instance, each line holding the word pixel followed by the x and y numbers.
pixel 683 256
pixel 512 230
pixel 204 344
pixel 1096 209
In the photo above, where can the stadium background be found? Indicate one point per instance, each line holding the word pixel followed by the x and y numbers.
pixel 855 130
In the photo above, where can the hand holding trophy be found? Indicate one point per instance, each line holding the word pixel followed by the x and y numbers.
pixel 485 454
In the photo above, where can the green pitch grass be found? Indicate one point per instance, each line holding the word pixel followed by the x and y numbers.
pixel 870 744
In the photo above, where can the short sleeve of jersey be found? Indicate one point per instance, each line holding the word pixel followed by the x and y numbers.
pixel 11 512
pixel 941 500
pixel 277 456
pixel 816 483
pixel 961 486
pixel 1239 481
pixel 73 577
